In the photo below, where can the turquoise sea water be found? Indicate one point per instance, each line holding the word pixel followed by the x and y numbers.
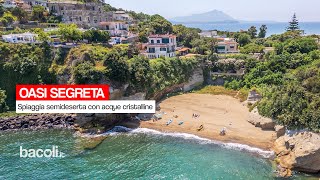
pixel 273 28
pixel 140 154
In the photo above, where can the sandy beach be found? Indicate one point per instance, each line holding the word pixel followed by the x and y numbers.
pixel 216 112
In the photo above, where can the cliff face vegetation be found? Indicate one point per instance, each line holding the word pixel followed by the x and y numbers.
pixel 88 64
pixel 288 79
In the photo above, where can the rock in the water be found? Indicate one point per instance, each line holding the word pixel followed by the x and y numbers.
pixel 300 152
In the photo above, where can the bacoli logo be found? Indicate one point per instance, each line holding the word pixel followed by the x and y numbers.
pixel 62 92
pixel 41 153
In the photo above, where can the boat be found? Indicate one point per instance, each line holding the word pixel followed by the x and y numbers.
pixel 169 122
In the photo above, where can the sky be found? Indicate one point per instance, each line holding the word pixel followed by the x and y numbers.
pixel 250 10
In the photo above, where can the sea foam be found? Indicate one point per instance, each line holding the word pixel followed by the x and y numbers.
pixel 235 146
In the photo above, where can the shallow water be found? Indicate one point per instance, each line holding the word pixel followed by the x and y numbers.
pixel 139 154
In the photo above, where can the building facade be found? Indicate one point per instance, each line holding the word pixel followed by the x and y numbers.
pixel 8 3
pixel 85 15
pixel 227 45
pixel 36 2
pixel 161 46
pixel 20 38
pixel 122 16
pixel 115 28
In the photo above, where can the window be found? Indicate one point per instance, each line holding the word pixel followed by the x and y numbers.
pixel 152 41
pixel 165 40
pixel 232 47
pixel 80 18
pixel 163 49
pixel 152 50
pixel 158 41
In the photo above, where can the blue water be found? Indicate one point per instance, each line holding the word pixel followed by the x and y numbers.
pixel 140 154
pixel 273 28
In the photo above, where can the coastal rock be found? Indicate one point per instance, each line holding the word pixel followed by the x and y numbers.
pixel 259 121
pixel 37 121
pixel 280 130
pixel 299 152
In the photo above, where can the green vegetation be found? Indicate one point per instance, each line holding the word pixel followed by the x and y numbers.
pixel 39 13
pixel 288 79
pixel 252 31
pixel 7 19
pixel 252 48
pixel 86 64
pixel 219 90
pixel 24 64
pixel 263 31
pixel 293 24
pixel 3 104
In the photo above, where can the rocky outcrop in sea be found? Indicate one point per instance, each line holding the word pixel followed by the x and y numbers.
pixel 37 121
pixel 300 151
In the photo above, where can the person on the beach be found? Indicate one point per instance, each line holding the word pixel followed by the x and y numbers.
pixel 223 131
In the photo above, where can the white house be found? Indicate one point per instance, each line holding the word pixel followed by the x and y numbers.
pixel 116 28
pixel 161 46
pixel 8 4
pixel 20 38
pixel 227 45
pixel 121 16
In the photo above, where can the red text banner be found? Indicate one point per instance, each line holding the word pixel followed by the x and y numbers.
pixel 62 92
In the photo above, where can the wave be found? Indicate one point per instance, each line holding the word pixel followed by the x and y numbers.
pixel 234 146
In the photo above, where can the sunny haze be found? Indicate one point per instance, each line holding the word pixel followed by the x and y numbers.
pixel 251 10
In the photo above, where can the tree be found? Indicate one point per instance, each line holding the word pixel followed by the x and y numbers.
pixel 7 19
pixel 96 36
pixel 140 75
pixel 1 10
pixel 252 31
pixel 185 35
pixel 263 31
pixel 252 48
pixel 3 104
pixel 21 14
pixel 160 24
pixel 118 69
pixel 86 73
pixel 42 36
pixel 204 45
pixel 70 32
pixel 38 13
pixel 293 24
pixel 243 39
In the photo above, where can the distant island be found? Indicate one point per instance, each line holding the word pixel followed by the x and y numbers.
pixel 214 16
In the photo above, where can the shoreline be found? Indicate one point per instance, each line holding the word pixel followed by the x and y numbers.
pixel 216 112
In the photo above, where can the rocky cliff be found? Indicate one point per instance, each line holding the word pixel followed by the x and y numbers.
pixel 300 152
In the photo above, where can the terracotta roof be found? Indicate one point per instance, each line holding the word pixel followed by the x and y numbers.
pixel 190 55
pixel 183 49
